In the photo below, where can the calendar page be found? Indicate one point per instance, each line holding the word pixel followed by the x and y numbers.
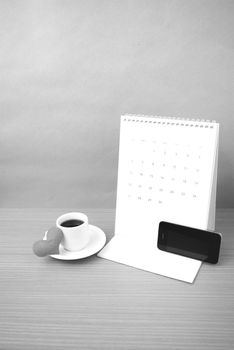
pixel 166 173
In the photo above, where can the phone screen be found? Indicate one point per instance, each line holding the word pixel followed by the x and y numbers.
pixel 190 242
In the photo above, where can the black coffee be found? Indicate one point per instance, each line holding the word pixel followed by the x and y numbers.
pixel 72 223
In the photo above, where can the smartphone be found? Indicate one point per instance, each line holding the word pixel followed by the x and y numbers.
pixel 190 242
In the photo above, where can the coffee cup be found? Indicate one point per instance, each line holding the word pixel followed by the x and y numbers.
pixel 75 228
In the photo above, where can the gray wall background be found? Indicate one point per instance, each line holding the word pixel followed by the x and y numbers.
pixel 69 69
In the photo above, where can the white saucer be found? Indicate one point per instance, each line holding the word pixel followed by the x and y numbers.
pixel 96 241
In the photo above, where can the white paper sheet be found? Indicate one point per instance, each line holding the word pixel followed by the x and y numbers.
pixel 151 259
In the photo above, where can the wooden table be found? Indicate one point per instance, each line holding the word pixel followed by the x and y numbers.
pixel 98 304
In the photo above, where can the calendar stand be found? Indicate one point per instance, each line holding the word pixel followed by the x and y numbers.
pixel 167 172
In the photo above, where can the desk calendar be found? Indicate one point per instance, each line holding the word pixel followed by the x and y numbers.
pixel 167 172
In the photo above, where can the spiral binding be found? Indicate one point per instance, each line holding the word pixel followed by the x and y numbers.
pixel 174 121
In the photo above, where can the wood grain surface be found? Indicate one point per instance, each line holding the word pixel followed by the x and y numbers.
pixel 98 304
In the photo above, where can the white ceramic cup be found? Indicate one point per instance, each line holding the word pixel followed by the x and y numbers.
pixel 75 237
